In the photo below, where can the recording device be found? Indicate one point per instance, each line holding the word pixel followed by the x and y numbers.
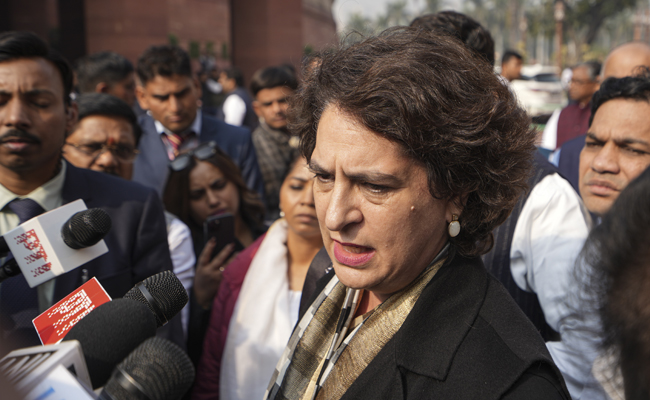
pixel 109 333
pixel 157 369
pixel 163 294
pixel 83 229
pixel 56 242
pixel 28 367
pixel 222 228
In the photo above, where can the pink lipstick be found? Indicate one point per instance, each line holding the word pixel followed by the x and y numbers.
pixel 351 254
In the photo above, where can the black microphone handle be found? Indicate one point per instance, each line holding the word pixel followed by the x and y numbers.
pixel 9 269
pixel 4 248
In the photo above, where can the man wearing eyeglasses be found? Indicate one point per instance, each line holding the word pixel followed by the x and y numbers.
pixel 573 120
pixel 105 139
pixel 174 123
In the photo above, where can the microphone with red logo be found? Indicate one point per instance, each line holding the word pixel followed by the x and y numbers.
pixel 82 230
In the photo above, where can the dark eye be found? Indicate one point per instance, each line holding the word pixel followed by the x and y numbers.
pixel 196 194
pixel 218 185
pixel 322 177
pixel 92 147
pixel 296 187
pixel 124 152
pixel 376 188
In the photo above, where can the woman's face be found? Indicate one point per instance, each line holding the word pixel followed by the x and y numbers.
pixel 380 225
pixel 211 193
pixel 297 201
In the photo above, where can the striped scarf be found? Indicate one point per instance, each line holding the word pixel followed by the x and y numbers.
pixel 321 360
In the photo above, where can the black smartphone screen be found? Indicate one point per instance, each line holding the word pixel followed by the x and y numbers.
pixel 222 228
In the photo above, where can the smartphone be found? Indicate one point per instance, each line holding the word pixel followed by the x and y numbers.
pixel 222 228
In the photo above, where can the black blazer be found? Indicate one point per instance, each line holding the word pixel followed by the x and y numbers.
pixel 150 167
pixel 464 339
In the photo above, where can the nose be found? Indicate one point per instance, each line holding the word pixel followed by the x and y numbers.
pixel 342 210
pixel 16 114
pixel 106 160
pixel 277 107
pixel 174 104
pixel 213 198
pixel 606 161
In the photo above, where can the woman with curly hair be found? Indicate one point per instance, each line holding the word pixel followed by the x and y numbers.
pixel 418 153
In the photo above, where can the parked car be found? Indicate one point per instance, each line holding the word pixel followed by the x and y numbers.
pixel 539 91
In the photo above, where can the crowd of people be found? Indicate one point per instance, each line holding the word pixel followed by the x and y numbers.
pixel 395 231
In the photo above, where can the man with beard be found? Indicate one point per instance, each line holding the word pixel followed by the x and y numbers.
pixel 36 113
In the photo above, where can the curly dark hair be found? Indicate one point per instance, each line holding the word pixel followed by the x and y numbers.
pixel 470 32
pixel 444 105
pixel 635 87
pixel 177 194
pixel 616 268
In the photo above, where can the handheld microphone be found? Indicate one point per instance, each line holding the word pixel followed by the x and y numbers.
pixel 109 333
pixel 44 247
pixel 162 293
pixel 83 229
pixel 86 228
pixel 157 369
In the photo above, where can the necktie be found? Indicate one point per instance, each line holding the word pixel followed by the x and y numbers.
pixel 19 302
pixel 175 140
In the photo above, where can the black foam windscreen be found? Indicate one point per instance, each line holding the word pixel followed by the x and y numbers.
pixel 86 228
pixel 162 293
pixel 157 369
pixel 110 333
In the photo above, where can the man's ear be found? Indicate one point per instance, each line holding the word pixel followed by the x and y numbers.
pixel 72 113
pixel 141 96
pixel 102 87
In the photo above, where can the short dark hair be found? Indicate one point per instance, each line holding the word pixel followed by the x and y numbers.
pixel 616 265
pixel 271 77
pixel 236 74
pixel 163 61
pixel 434 97
pixel 468 30
pixel 109 106
pixel 593 69
pixel 21 44
pixel 508 54
pixel 105 66
pixel 635 87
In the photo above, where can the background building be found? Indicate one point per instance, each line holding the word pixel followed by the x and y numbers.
pixel 248 33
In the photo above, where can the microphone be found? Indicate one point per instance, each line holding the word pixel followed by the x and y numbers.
pixel 162 293
pixel 109 333
pixel 86 228
pixel 43 248
pixel 83 229
pixel 157 369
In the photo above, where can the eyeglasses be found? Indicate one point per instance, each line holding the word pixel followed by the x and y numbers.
pixel 122 152
pixel 203 152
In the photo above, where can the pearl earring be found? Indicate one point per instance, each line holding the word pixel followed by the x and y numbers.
pixel 281 214
pixel 454 226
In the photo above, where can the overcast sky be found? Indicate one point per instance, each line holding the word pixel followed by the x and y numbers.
pixel 370 8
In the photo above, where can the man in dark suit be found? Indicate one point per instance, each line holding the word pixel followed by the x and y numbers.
pixel 174 122
pixel 36 114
